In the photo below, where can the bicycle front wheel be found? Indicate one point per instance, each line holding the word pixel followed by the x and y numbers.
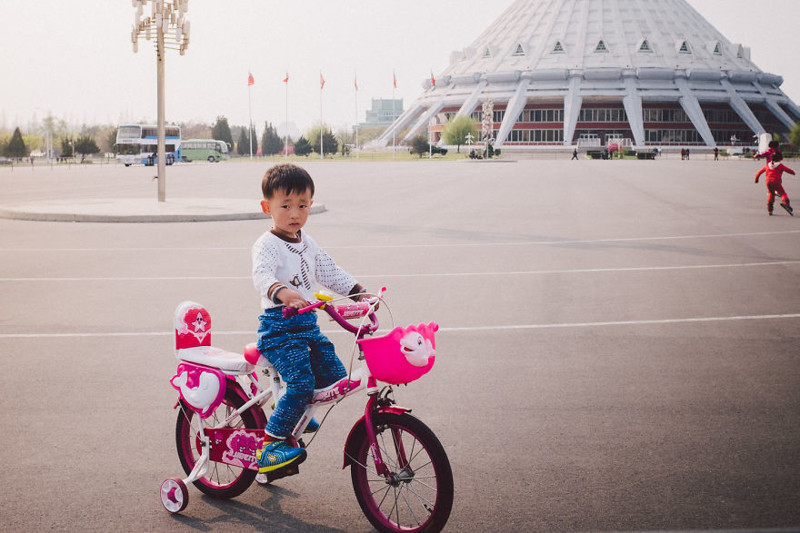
pixel 221 480
pixel 418 494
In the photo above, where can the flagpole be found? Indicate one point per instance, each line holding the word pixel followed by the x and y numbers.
pixel 250 113
pixel 394 117
pixel 321 123
pixel 286 123
pixel 355 84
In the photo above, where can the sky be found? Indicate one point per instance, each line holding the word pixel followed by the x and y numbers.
pixel 74 59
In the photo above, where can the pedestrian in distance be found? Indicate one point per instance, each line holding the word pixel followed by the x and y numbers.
pixel 774 171
pixel 574 154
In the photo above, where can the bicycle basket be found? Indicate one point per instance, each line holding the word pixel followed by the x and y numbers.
pixel 403 355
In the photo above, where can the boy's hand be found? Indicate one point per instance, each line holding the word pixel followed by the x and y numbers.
pixel 756 179
pixel 291 298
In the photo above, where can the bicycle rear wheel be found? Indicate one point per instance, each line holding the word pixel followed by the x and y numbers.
pixel 418 495
pixel 221 480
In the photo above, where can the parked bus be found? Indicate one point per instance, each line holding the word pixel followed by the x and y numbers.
pixel 138 143
pixel 204 150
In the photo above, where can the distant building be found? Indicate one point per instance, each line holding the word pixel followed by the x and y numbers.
pixel 592 72
pixel 383 112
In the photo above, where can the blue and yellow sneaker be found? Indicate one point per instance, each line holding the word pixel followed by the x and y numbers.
pixel 312 426
pixel 277 454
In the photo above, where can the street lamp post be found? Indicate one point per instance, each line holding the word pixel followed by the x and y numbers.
pixel 167 19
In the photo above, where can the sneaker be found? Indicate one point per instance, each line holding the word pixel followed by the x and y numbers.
pixel 788 209
pixel 312 426
pixel 277 454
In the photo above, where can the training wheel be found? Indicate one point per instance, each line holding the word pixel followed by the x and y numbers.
pixel 174 495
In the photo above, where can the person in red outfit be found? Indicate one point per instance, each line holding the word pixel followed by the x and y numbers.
pixel 774 171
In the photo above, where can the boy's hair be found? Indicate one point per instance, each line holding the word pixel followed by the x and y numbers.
pixel 777 156
pixel 774 145
pixel 287 177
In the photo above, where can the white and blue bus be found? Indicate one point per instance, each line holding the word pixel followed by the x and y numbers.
pixel 138 143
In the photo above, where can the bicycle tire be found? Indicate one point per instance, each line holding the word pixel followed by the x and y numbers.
pixel 420 497
pixel 222 481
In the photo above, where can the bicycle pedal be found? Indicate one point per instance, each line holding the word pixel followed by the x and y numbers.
pixel 286 471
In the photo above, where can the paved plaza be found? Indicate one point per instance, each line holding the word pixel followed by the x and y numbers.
pixel 619 346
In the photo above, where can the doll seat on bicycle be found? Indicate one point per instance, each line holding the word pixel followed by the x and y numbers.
pixel 193 341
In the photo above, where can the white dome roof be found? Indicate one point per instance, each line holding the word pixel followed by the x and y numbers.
pixel 580 34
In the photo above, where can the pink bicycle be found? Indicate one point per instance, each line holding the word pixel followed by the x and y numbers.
pixel 400 472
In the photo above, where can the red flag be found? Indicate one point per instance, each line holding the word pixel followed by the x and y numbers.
pixel 286 79
pixel 355 81
pixel 250 80
pixel 394 80
pixel 433 80
pixel 321 81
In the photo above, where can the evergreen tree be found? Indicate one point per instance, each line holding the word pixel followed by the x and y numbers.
pixel 302 146
pixel 329 141
pixel 245 137
pixel 16 146
pixel 66 146
pixel 85 145
pixel 271 143
pixel 221 131
pixel 419 145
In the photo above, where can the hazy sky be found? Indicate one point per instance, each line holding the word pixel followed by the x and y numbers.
pixel 74 58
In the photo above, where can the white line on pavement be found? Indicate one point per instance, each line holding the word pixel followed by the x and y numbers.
pixel 417 245
pixel 508 327
pixel 432 274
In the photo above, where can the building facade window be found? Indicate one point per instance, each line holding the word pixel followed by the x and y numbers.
pixel 538 136
pixel 614 114
pixel 541 115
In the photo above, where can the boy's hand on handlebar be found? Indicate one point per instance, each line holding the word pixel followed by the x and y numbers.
pixel 291 298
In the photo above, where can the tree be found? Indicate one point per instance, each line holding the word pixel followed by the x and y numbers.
pixel 302 146
pixel 16 146
pixel 794 136
pixel 245 137
pixel 66 146
pixel 221 131
pixel 329 141
pixel 419 144
pixel 85 145
pixel 458 130
pixel 271 143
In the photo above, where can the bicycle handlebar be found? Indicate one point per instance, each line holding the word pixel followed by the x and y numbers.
pixel 332 310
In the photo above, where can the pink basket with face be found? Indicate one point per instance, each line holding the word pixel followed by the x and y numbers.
pixel 403 355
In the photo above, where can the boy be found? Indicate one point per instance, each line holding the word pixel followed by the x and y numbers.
pixel 774 170
pixel 287 264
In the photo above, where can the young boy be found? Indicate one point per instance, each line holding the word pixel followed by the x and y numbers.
pixel 774 170
pixel 287 265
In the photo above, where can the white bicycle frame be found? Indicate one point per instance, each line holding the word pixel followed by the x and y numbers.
pixel 329 395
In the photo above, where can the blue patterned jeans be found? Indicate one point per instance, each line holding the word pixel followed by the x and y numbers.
pixel 305 359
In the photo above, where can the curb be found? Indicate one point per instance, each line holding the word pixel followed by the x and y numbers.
pixel 140 211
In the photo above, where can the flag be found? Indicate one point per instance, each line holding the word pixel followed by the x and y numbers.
pixel 286 79
pixel 321 81
pixel 355 81
pixel 250 80
pixel 394 80
pixel 433 80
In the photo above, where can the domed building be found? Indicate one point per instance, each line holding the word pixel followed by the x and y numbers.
pixel 644 73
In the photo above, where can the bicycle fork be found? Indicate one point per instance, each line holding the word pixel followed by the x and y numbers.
pixel 373 406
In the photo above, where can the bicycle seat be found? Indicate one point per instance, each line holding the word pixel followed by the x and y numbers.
pixel 193 340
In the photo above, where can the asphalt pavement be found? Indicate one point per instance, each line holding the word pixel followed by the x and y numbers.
pixel 619 343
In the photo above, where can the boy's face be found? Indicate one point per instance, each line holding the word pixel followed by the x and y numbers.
pixel 289 212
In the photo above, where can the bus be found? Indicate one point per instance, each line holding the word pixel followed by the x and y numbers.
pixel 138 143
pixel 204 150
